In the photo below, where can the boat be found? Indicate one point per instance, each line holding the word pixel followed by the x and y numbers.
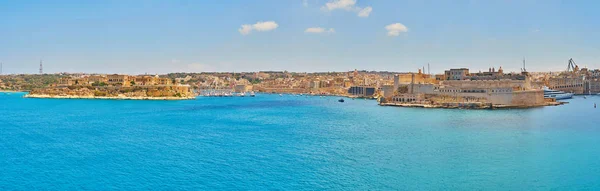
pixel 341 100
pixel 280 95
pixel 558 95
pixel 252 94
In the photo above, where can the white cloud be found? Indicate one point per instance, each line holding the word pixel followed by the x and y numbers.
pixel 319 30
pixel 365 12
pixel 245 29
pixel 314 30
pixel 305 3
pixel 259 26
pixel 348 5
pixel 265 26
pixel 395 29
pixel 340 4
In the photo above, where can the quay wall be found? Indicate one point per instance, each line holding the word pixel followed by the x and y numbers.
pixel 282 90
pixel 508 98
pixel 515 98
pixel 528 98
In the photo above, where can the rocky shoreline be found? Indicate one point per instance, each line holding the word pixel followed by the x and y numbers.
pixel 105 97
pixel 11 91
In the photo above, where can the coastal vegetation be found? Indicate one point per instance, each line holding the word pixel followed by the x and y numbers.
pixel 107 92
pixel 26 82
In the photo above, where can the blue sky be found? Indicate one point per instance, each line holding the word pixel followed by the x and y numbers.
pixel 128 36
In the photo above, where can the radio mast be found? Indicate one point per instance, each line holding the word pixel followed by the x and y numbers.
pixel 41 68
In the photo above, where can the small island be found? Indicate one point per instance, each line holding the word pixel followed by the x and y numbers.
pixel 115 86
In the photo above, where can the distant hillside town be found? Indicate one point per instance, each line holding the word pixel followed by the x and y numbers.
pixel 454 87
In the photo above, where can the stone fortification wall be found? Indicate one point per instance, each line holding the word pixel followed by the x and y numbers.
pixel 466 84
pixel 528 98
pixel 516 98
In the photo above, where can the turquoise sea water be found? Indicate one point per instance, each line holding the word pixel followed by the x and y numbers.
pixel 293 143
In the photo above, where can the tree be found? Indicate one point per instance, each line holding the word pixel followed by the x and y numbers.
pixel 98 84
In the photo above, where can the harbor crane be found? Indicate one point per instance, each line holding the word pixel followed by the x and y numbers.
pixel 571 66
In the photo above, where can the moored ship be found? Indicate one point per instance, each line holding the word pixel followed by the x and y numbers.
pixel 558 95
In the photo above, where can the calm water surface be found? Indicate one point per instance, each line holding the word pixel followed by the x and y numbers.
pixel 292 143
